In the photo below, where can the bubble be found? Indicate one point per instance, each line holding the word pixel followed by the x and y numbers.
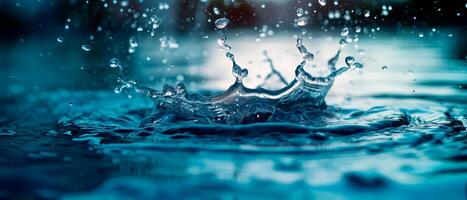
pixel 302 21
pixel 60 39
pixel 221 23
pixel 367 13
pixel 384 67
pixel 345 32
pixel 86 47
pixel 114 62
pixel 322 2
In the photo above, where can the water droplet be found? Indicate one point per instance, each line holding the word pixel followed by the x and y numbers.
pixel 384 67
pixel 221 23
pixel 222 45
pixel 343 43
pixel 133 43
pixel 60 39
pixel 367 13
pixel 322 2
pixel 385 13
pixel 86 47
pixel 216 11
pixel 155 22
pixel 358 65
pixel 163 6
pixel 345 32
pixel 114 62
pixel 302 21
pixel 358 29
pixel 299 12
pixel 349 60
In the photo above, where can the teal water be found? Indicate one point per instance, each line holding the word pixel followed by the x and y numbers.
pixel 390 139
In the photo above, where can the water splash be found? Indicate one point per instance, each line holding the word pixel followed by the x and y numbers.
pixel 240 104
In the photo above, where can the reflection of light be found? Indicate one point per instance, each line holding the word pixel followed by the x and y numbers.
pixel 401 56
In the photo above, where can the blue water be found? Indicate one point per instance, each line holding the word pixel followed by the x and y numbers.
pixel 392 138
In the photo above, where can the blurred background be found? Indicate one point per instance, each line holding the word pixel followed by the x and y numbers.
pixel 67 44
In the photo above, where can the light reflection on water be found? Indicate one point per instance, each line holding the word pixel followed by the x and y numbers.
pixel 97 135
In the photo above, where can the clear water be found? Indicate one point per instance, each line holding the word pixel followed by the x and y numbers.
pixel 241 143
pixel 347 113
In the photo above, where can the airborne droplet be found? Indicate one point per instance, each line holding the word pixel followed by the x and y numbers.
pixel 302 21
pixel 299 12
pixel 86 47
pixel 345 32
pixel 322 2
pixel 367 13
pixel 221 23
pixel 114 62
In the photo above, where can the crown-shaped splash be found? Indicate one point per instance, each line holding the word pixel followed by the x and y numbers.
pixel 238 100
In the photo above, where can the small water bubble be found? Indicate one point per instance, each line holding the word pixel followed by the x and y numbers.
pixel 343 43
pixel 114 62
pixel 385 13
pixel 299 12
pixel 155 22
pixel 133 43
pixel 216 11
pixel 70 104
pixel 358 29
pixel 420 35
pixel 86 47
pixel 60 39
pixel 221 23
pixel 302 21
pixel 384 67
pixel 345 32
pixel 322 2
pixel 367 13
pixel 163 6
